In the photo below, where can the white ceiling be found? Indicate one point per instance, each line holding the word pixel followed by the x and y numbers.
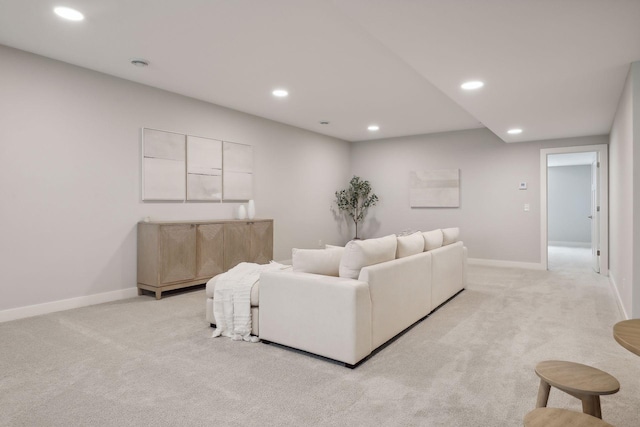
pixel 555 68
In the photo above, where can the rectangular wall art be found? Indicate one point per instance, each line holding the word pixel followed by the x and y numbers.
pixel 204 169
pixel 179 167
pixel 435 189
pixel 237 171
pixel 163 165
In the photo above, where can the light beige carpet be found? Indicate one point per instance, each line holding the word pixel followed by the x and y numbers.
pixel 142 362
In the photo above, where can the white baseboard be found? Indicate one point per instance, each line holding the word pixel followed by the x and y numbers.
pixel 66 304
pixel 614 285
pixel 570 244
pixel 505 264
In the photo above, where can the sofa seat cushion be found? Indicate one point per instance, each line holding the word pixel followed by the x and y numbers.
pixel 255 290
pixel 361 253
pixel 317 261
pixel 410 245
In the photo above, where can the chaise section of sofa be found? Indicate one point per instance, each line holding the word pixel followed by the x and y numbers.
pixel 325 315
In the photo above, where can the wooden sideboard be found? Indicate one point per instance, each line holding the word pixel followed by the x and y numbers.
pixel 174 255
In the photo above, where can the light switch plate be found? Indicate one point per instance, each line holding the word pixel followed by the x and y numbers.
pixel 523 186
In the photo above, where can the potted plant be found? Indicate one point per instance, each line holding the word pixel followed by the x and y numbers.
pixel 356 199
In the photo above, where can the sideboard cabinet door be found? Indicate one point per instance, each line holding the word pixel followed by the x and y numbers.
pixel 177 252
pixel 210 250
pixel 237 244
pixel 261 242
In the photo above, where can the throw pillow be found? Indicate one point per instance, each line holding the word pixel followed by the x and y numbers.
pixel 410 245
pixel 361 253
pixel 432 239
pixel 450 235
pixel 317 261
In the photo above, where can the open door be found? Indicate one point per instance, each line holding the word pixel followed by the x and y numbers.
pixel 599 205
pixel 595 214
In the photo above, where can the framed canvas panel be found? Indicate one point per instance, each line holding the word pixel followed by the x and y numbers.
pixel 238 157
pixel 237 176
pixel 435 189
pixel 204 169
pixel 204 187
pixel 237 185
pixel 163 165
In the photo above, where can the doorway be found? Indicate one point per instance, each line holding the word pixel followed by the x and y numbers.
pixel 574 207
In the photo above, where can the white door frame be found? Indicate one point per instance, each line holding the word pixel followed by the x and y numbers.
pixel 595 215
pixel 601 149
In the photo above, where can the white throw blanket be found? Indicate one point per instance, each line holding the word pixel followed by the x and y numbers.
pixel 232 299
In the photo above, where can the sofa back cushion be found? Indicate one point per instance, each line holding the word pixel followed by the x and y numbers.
pixel 432 239
pixel 410 245
pixel 317 261
pixel 450 235
pixel 361 253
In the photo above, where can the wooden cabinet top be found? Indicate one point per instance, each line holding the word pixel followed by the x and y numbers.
pixel 206 221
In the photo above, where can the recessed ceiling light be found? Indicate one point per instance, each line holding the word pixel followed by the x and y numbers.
pixel 374 128
pixel 514 131
pixel 140 62
pixel 280 93
pixel 471 85
pixel 68 13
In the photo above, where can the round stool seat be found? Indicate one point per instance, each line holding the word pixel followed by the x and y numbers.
pixel 581 381
pixel 555 417
pixel 577 378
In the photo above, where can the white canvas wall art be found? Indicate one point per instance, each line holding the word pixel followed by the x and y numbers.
pixel 163 165
pixel 237 171
pixel 238 186
pixel 204 169
pixel 238 157
pixel 204 187
pixel 179 167
pixel 435 189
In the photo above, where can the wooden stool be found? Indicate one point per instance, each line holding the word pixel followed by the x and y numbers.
pixel 555 417
pixel 581 381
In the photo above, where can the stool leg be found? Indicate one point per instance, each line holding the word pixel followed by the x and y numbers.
pixel 543 394
pixel 591 406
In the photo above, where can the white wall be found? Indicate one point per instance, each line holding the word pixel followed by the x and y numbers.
pixel 70 177
pixel 491 216
pixel 624 209
pixel 70 181
pixel 569 204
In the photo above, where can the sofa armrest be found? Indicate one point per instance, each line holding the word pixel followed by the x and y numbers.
pixel 448 272
pixel 324 315
pixel 400 294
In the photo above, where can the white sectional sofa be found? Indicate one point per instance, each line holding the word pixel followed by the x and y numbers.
pixel 345 310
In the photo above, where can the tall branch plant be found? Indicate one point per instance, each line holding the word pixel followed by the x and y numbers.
pixel 356 200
